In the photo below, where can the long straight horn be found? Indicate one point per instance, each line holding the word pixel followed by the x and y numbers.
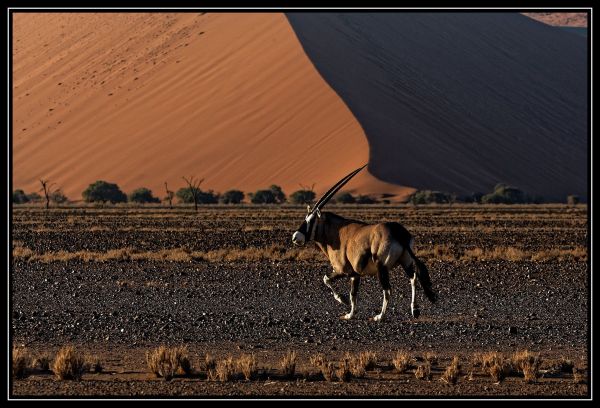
pixel 327 196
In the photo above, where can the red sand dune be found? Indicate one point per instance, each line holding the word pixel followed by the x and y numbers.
pixel 561 19
pixel 139 99
pixel 459 102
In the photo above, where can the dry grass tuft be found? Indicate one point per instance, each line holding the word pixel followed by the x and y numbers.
pixel 247 365
pixel 288 364
pixel 423 371
pixel 167 362
pixel 209 362
pixel 42 362
pixel 452 372
pixel 368 360
pixel 496 366
pixel 225 370
pixel 317 360
pixel 578 377
pixel 343 372
pixel 68 364
pixel 430 357
pixel 328 370
pixel 528 363
pixel 356 367
pixel 402 361
pixel 93 364
pixel 21 361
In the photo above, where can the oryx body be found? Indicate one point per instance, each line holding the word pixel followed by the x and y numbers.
pixel 356 250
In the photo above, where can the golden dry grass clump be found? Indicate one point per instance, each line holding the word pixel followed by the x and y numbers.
pixel 431 357
pixel 247 365
pixel 225 370
pixel 496 366
pixel 452 372
pixel 528 363
pixel 93 364
pixel 343 372
pixel 288 364
pixel 317 360
pixel 21 362
pixel 167 362
pixel 401 361
pixel 578 377
pixel 69 364
pixel 423 371
pixel 357 369
pixel 209 362
pixel 328 370
pixel 368 359
pixel 42 362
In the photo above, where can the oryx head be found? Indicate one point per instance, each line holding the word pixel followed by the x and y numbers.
pixel 307 230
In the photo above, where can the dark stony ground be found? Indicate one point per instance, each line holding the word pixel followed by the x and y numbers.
pixel 120 309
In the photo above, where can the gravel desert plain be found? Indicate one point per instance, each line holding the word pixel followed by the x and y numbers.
pixel 118 282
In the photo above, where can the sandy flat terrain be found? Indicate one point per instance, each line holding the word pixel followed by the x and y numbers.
pixel 561 19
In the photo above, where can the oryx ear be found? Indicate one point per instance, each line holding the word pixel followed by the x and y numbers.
pixel 308 209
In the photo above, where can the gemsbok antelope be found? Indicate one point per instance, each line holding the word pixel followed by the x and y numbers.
pixel 357 249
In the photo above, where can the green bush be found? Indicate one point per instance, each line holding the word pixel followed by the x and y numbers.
pixel 185 195
pixel 278 194
pixel 58 197
pixel 142 195
pixel 504 194
pixel 428 197
pixel 232 197
pixel 34 197
pixel 263 197
pixel 344 198
pixel 365 199
pixel 19 197
pixel 302 197
pixel 103 191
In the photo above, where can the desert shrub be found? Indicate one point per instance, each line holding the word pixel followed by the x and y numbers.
pixel 572 199
pixel 505 194
pixel 34 197
pixel 428 197
pixel 328 370
pixel 452 372
pixel 232 197
pixel 423 371
pixel 142 195
pixel 58 197
pixel 263 197
pixel 529 363
pixel 166 362
pixel 401 361
pixel 278 194
pixel 365 199
pixel 68 364
pixel 21 361
pixel 225 370
pixel 470 198
pixel 344 198
pixel 302 197
pixel 496 366
pixel 368 359
pixel 101 191
pixel 93 364
pixel 288 364
pixel 356 367
pixel 186 195
pixel 19 197
pixel 42 362
pixel 343 373
pixel 247 365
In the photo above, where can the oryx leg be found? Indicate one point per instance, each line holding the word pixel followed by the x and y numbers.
pixel 354 284
pixel 343 299
pixel 411 271
pixel 384 278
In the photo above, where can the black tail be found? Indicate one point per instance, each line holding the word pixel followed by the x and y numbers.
pixel 423 275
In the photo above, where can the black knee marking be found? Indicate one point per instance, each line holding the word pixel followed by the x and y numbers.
pixel 355 284
pixel 384 276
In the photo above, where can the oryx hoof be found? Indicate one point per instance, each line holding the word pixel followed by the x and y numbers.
pixel 416 313
pixel 346 316
pixel 343 299
pixel 376 318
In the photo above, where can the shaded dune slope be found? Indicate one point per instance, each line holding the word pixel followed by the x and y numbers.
pixel 459 101
pixel 139 99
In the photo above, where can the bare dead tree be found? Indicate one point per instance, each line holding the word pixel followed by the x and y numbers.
pixel 169 196
pixel 312 187
pixel 194 186
pixel 46 188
